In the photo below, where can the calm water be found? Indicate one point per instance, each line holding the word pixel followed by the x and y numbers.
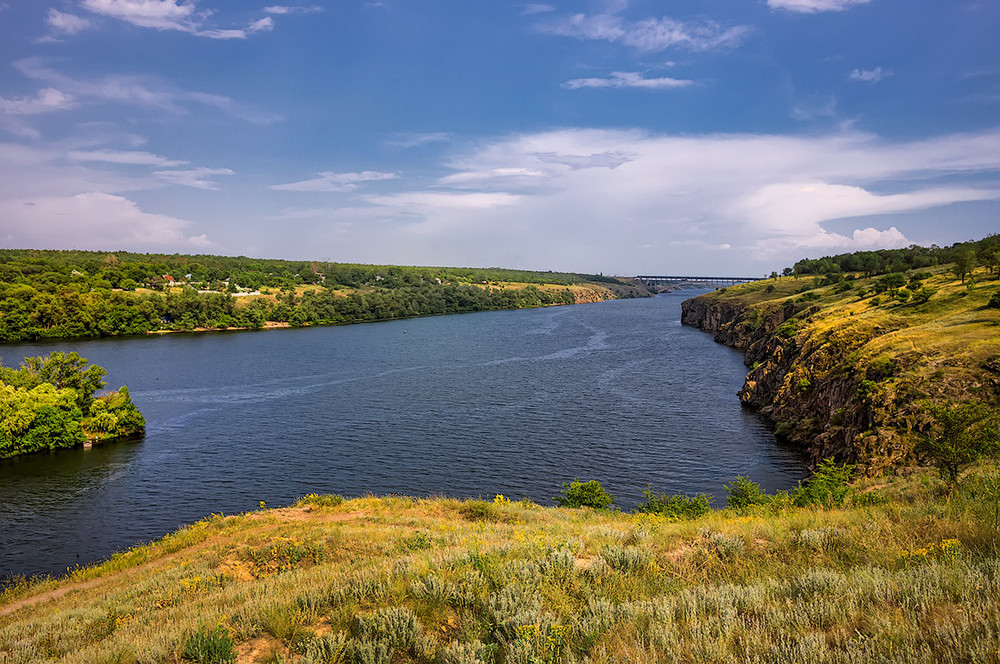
pixel 511 402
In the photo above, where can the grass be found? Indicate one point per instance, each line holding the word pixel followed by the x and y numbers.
pixel 865 369
pixel 902 571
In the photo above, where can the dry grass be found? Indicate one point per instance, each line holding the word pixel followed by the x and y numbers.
pixel 908 577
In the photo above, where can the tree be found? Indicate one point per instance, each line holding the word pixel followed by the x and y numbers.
pixel 66 371
pixel 962 433
pixel 965 260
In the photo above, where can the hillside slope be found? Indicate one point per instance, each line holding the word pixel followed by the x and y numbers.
pixel 898 575
pixel 850 368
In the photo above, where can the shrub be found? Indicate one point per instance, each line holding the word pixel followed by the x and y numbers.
pixel 828 487
pixel 744 493
pixel 209 647
pixel 479 510
pixel 396 627
pixel 330 649
pixel 675 506
pixel 724 545
pixel 789 329
pixel 994 301
pixel 963 433
pixel 626 558
pixel 584 494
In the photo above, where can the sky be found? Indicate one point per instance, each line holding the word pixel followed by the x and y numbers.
pixel 717 137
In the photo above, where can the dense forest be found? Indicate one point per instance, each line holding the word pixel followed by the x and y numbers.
pixel 965 256
pixel 66 294
pixel 50 402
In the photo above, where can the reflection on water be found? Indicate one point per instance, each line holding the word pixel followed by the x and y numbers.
pixel 500 402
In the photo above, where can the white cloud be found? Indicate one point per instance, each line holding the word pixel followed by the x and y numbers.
pixel 329 181
pixel 659 34
pixel 284 9
pixel 536 8
pixel 66 24
pixel 198 178
pixel 170 15
pixel 144 92
pixel 626 79
pixel 46 101
pixel 649 35
pixel 595 193
pixel 159 14
pixel 124 157
pixel 814 6
pixel 870 75
pixel 263 25
pixel 92 220
pixel 406 141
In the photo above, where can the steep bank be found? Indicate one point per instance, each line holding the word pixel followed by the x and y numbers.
pixel 849 373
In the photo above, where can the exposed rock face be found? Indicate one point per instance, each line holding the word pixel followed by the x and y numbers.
pixel 804 384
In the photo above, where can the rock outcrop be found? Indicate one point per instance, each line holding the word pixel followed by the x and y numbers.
pixel 810 384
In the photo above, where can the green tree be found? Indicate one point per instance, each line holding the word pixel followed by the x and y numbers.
pixel 961 434
pixel 965 260
pixel 65 371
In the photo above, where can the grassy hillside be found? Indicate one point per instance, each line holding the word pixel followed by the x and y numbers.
pixel 899 573
pixel 853 366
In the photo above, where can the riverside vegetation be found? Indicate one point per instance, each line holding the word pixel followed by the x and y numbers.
pixel 879 571
pixel 67 294
pixel 876 560
pixel 49 403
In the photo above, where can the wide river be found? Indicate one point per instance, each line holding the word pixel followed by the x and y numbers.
pixel 511 402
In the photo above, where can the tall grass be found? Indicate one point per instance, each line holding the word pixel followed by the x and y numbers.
pixel 910 576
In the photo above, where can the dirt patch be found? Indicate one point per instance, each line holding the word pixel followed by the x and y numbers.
pixel 288 514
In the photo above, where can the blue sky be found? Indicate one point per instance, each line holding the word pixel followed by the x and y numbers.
pixel 613 136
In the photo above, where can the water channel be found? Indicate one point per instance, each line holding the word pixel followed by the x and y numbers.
pixel 511 402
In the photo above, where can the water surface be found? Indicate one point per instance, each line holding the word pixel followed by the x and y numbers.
pixel 511 402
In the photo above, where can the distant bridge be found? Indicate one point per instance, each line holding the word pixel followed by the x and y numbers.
pixel 650 280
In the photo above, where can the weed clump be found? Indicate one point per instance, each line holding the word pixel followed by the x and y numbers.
pixel 209 646
pixel 320 500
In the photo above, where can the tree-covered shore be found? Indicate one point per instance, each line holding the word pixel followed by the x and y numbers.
pixel 50 403
pixel 76 294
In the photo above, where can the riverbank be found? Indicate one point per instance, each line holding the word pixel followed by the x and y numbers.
pixel 896 574
pixel 853 368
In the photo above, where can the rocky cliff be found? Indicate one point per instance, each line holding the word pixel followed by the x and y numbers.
pixel 847 375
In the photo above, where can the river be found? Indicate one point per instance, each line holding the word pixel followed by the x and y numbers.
pixel 512 402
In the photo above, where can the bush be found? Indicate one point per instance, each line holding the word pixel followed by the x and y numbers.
pixel 628 559
pixel 994 301
pixel 209 647
pixel 828 487
pixel 584 494
pixel 675 506
pixel 396 627
pixel 744 493
pixel 479 510
pixel 789 329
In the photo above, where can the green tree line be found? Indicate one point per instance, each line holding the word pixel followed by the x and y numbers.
pixel 72 294
pixel 965 256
